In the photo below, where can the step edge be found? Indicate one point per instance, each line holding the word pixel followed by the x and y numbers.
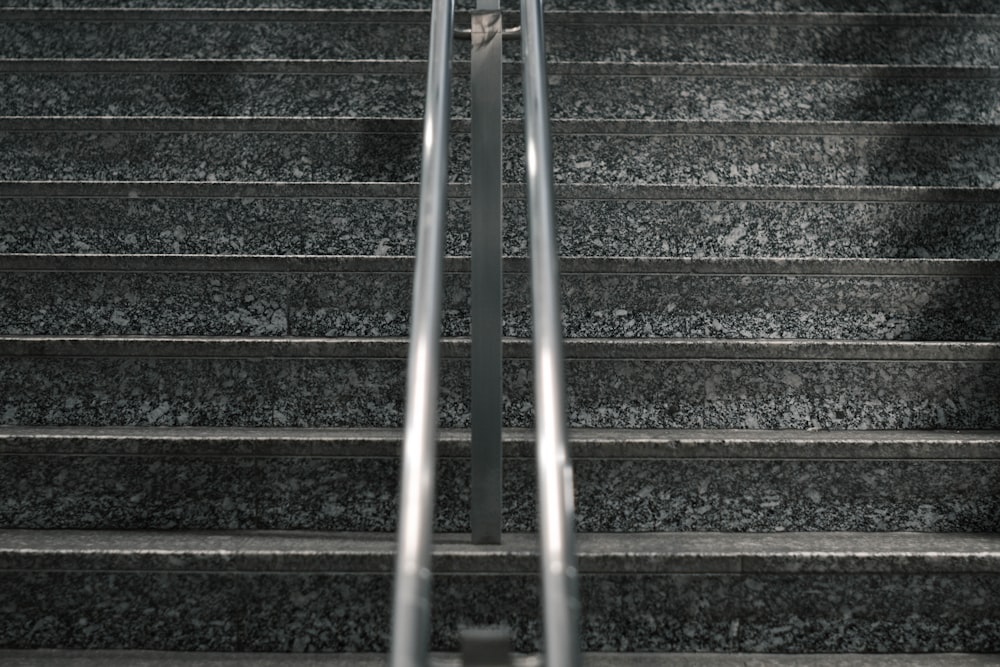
pixel 598 553
pixel 568 265
pixel 668 349
pixel 344 67
pixel 413 125
pixel 832 194
pixel 584 444
pixel 128 658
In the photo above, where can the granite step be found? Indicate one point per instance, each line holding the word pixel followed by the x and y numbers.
pixel 593 153
pixel 59 658
pixel 796 37
pixel 728 92
pixel 873 6
pixel 598 221
pixel 611 383
pixel 207 295
pixel 785 593
pixel 626 480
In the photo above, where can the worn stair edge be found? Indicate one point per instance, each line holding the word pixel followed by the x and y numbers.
pixel 727 266
pixel 598 553
pixel 329 66
pixel 881 6
pixel 580 348
pixel 552 17
pixel 517 443
pixel 389 125
pixel 245 66
pixel 100 658
pixel 261 14
pixel 339 189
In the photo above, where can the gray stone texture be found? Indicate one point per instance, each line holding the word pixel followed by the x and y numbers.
pixel 934 6
pixel 596 305
pixel 648 392
pixel 355 494
pixel 963 43
pixel 740 96
pixel 687 159
pixel 657 159
pixel 306 612
pixel 599 227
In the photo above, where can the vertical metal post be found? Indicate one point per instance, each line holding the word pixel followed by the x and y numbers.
pixel 487 274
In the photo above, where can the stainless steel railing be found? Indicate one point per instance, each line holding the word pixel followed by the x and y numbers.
pixel 411 606
pixel 555 474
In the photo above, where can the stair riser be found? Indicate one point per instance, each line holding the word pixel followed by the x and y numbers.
pixel 964 45
pixel 620 393
pixel 613 495
pixel 722 98
pixel 585 159
pixel 599 227
pixel 595 305
pixel 643 612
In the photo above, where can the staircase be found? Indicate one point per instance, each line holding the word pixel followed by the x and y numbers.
pixel 781 230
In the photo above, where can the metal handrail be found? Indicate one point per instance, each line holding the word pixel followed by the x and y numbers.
pixel 555 474
pixel 411 603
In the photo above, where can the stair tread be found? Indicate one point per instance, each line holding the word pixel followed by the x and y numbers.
pixel 514 348
pixel 518 442
pixel 555 15
pixel 264 124
pixel 668 94
pixel 416 68
pixel 748 160
pixel 772 37
pixel 939 6
pixel 775 553
pixel 784 266
pixel 99 658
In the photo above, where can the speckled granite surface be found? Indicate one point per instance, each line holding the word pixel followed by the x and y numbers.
pixel 597 305
pixel 300 612
pixel 330 39
pixel 714 159
pixel 942 6
pixel 220 226
pixel 157 304
pixel 644 596
pixel 869 613
pixel 647 392
pixel 588 227
pixel 971 43
pixel 740 96
pixel 751 394
pixel 372 95
pixel 613 495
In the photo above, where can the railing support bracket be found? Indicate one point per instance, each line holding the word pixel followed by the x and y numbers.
pixel 486 647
